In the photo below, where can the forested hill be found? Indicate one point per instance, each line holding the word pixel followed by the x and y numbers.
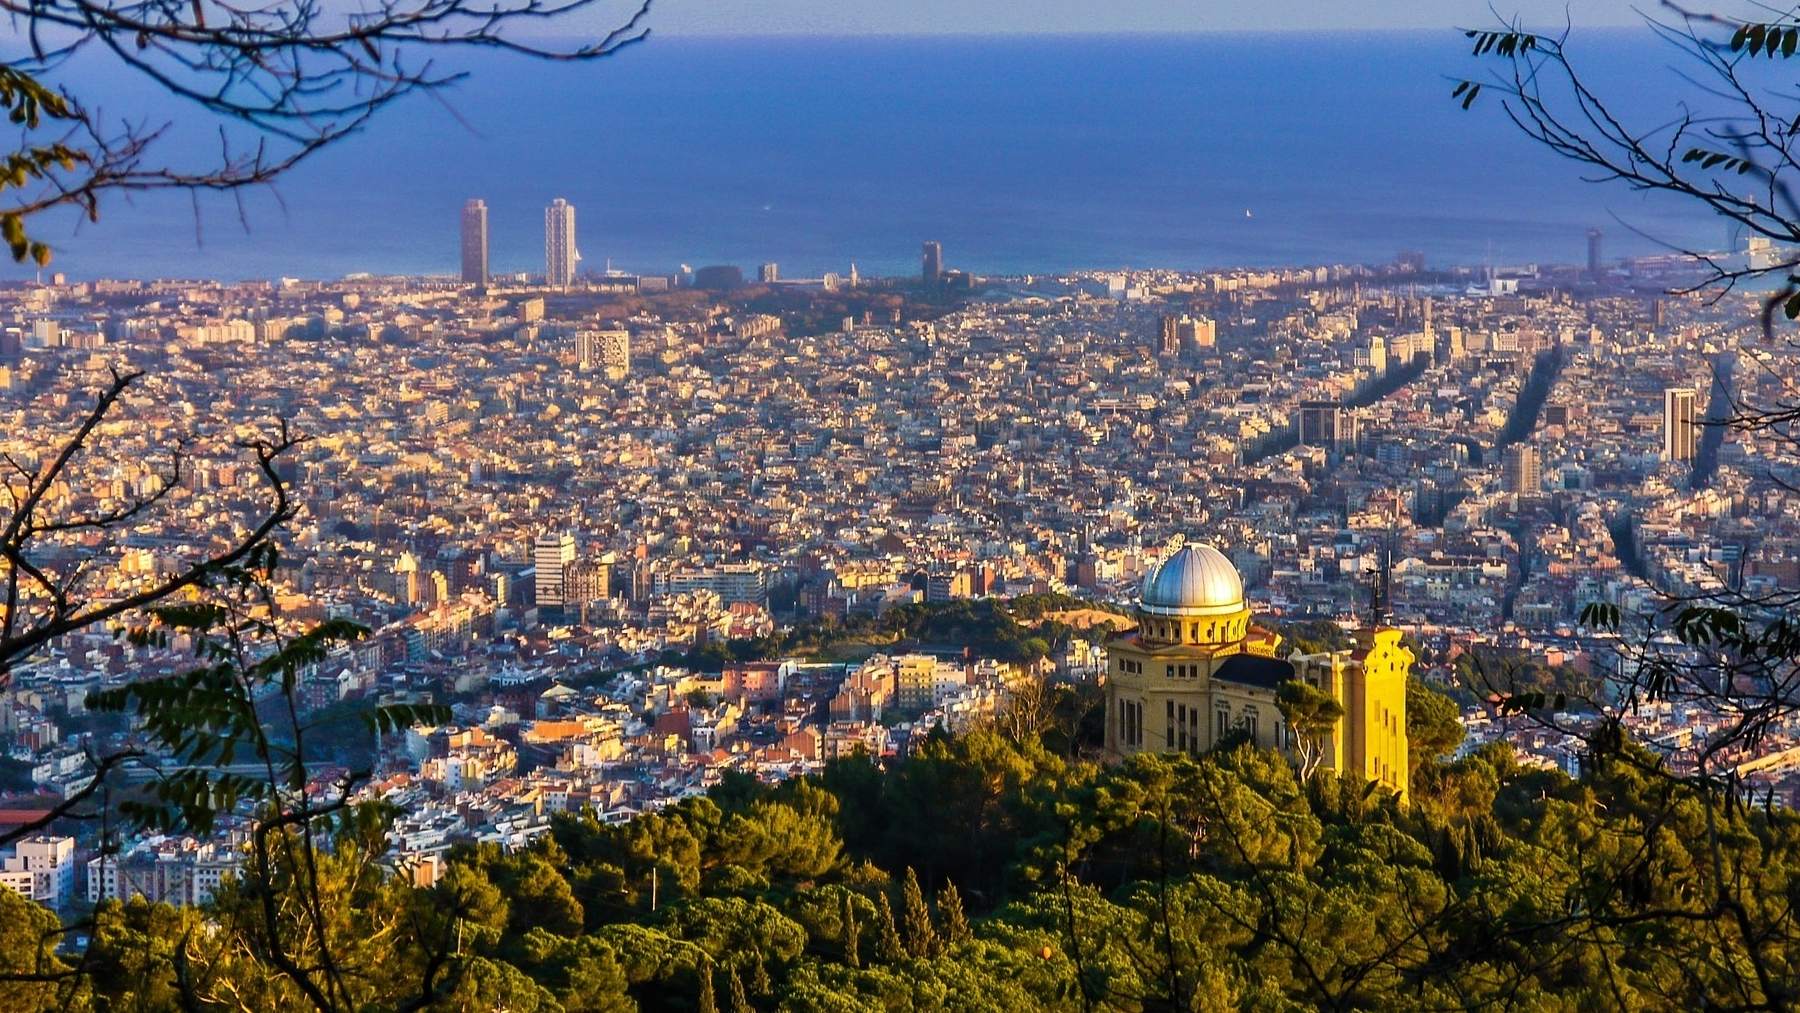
pixel 987 874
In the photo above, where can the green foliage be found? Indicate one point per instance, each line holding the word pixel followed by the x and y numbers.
pixel 1765 39
pixel 1015 631
pixel 921 936
pixel 951 916
pixel 210 716
pixel 1502 43
pixel 1311 715
pixel 28 102
pixel 1222 882
pixel 1718 160
pixel 888 948
pixel 1526 683
pixel 1314 636
pixel 708 1002
pixel 28 938
pixel 1433 724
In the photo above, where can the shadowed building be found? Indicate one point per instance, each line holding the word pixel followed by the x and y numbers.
pixel 475 242
pixel 1680 432
pixel 560 254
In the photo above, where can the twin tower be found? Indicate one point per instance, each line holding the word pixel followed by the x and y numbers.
pixel 560 252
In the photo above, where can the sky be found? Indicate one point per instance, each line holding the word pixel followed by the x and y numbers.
pixel 866 17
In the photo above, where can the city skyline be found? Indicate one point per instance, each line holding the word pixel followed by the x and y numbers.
pixel 1060 509
pixel 1130 191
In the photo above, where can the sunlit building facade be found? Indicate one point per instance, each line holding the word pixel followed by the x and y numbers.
pixel 1198 672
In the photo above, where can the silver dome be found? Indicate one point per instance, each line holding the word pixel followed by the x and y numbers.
pixel 1197 581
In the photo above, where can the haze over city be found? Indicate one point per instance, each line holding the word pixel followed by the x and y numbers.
pixel 851 506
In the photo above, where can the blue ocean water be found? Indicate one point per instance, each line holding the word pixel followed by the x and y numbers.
pixel 1020 154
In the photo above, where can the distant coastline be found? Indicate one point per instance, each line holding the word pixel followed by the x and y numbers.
pixel 1022 154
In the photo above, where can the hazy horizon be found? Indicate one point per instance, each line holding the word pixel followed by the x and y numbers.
pixel 741 18
pixel 1031 153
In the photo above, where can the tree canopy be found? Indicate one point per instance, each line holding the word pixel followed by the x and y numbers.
pixel 991 874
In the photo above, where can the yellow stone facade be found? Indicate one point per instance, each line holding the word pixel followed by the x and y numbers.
pixel 1198 670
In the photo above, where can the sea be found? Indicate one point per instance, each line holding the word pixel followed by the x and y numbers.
pixel 1020 154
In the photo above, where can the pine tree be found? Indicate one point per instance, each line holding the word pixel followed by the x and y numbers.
pixel 888 948
pixel 852 935
pixel 951 916
pixel 921 938
pixel 740 1003
pixel 707 1004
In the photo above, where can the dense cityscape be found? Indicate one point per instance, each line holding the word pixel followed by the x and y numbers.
pixel 645 532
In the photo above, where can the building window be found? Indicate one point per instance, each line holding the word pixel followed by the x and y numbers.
pixel 1224 721
pixel 1169 724
pixel 1249 721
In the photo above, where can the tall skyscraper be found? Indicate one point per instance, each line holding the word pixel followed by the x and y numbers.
pixel 560 254
pixel 932 263
pixel 475 242
pixel 551 556
pixel 1521 473
pixel 1170 342
pixel 1594 259
pixel 1326 424
pixel 1680 434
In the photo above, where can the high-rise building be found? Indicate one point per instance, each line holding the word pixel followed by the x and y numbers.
pixel 1594 265
pixel 1169 342
pixel 719 277
pixel 1680 433
pixel 1186 333
pixel 560 254
pixel 1520 471
pixel 475 242
pixel 932 262
pixel 551 556
pixel 610 351
pixel 770 272
pixel 1326 424
pixel 587 580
